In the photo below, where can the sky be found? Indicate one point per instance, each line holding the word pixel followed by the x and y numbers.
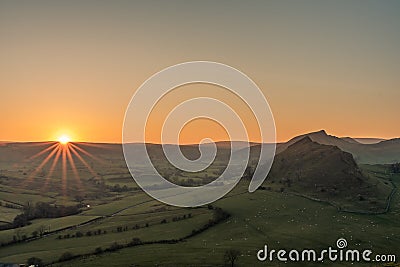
pixel 71 67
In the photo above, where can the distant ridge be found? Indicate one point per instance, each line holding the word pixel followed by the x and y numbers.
pixel 350 140
pixel 390 141
pixel 364 150
pixel 383 152
pixel 369 140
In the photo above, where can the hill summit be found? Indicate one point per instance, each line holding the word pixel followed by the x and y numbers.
pixel 383 152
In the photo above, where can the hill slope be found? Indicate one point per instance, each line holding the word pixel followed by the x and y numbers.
pixel 327 173
pixel 384 152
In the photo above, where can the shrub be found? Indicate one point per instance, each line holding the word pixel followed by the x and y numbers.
pixel 98 250
pixel 135 241
pixel 231 256
pixel 114 246
pixel 66 256
pixel 35 233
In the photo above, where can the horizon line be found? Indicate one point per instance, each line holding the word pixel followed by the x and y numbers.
pixel 218 141
pixel 184 144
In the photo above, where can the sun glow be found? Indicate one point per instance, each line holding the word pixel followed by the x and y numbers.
pixel 63 159
pixel 64 139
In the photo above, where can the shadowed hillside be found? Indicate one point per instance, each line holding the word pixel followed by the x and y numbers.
pixel 384 152
pixel 326 173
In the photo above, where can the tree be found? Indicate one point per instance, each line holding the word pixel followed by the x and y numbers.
pixel 66 256
pixel 35 233
pixel 114 246
pixel 35 262
pixel 395 168
pixel 29 210
pixel 117 188
pixel 231 256
pixel 20 221
pixel 19 233
pixel 79 199
pixel 98 250
pixel 42 229
pixel 135 241
pixel 219 215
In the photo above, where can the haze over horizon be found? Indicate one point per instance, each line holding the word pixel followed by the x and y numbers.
pixel 72 67
pixel 362 140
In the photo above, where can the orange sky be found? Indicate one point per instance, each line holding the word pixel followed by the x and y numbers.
pixel 71 68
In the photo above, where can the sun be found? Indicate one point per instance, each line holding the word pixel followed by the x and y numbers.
pixel 64 139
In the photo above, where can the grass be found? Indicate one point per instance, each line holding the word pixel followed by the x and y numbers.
pixel 277 219
pixel 7 215
pixel 23 198
pixel 54 224
pixel 156 231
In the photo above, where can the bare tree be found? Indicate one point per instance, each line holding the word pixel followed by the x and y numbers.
pixel 19 233
pixel 42 229
pixel 231 256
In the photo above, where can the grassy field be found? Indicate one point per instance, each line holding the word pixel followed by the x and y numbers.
pixel 278 219
pixel 51 248
pixel 7 214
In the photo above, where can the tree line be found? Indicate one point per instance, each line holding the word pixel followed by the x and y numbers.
pixel 395 168
pixel 219 216
pixel 41 210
